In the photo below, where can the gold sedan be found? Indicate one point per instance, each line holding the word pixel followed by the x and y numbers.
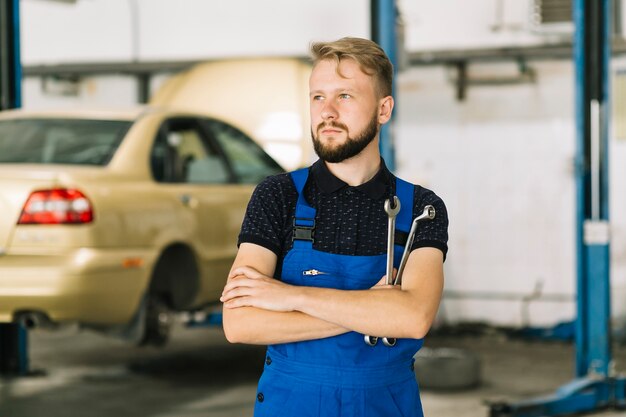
pixel 112 220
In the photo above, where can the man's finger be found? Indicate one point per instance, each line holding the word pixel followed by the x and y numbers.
pixel 247 271
pixel 237 302
pixel 237 283
pixel 234 293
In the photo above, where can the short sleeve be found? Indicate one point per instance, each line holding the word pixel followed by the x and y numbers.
pixel 431 233
pixel 271 205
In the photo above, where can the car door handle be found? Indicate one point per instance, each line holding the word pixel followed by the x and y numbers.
pixel 188 200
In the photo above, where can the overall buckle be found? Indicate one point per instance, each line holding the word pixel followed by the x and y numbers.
pixel 303 232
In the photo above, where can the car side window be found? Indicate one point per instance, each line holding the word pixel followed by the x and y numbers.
pixel 180 155
pixel 248 160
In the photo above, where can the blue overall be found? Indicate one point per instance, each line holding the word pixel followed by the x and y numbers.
pixel 340 375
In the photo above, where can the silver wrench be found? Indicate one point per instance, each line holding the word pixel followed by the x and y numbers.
pixel 428 214
pixel 392 212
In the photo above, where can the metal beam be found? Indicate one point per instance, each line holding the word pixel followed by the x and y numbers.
pixel 13 337
pixel 560 51
pixel 108 68
pixel 592 59
pixel 10 68
pixel 384 15
pixel 422 58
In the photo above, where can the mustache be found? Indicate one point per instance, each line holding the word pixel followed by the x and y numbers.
pixel 336 125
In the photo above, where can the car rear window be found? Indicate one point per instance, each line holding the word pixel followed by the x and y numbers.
pixel 60 141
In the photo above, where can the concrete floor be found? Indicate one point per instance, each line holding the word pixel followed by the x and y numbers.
pixel 200 374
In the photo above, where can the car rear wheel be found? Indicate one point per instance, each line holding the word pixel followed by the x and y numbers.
pixel 176 278
pixel 174 286
pixel 157 322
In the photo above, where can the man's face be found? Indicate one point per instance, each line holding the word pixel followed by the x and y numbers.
pixel 344 110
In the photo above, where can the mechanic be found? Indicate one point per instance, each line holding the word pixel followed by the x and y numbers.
pixel 312 250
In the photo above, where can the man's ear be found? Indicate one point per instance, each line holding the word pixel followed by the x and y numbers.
pixel 385 107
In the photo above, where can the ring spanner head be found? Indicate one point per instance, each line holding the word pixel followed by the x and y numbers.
pixel 428 213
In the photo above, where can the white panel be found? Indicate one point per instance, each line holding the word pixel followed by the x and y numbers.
pixel 453 24
pixel 93 30
pixel 122 30
pixel 200 28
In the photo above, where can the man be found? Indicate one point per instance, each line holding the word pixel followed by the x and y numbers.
pixel 307 277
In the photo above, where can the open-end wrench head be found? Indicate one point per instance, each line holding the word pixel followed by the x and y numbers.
pixel 392 211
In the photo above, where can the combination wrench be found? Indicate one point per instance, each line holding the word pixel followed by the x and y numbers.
pixel 392 212
pixel 428 214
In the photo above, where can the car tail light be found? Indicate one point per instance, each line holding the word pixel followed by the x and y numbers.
pixel 57 206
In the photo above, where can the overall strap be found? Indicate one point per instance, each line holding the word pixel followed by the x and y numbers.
pixel 304 220
pixel 404 191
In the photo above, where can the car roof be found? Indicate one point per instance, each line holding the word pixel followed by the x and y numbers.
pixel 128 114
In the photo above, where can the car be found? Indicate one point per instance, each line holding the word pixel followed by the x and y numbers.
pixel 115 219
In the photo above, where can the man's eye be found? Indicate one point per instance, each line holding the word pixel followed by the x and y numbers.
pixel 317 98
pixel 344 96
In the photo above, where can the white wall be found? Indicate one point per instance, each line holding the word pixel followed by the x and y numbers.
pixel 147 30
pixel 503 162
pixel 502 159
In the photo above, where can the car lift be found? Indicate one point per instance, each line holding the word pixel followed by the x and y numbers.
pixel 13 337
pixel 596 386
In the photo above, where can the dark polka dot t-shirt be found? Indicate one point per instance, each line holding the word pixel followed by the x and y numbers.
pixel 349 220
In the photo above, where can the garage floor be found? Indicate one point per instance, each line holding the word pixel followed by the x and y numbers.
pixel 200 374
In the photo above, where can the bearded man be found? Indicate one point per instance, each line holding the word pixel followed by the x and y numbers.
pixel 312 249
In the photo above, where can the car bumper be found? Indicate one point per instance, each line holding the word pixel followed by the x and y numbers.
pixel 89 286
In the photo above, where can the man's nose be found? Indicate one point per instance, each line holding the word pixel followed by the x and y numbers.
pixel 329 112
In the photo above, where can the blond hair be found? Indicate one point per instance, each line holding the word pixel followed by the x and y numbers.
pixel 371 59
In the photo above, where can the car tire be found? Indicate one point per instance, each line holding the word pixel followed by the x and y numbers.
pixel 176 277
pixel 157 322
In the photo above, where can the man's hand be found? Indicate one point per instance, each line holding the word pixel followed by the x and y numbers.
pixel 247 287
pixel 383 282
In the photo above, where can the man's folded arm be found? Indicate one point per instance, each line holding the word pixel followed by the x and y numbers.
pixel 257 326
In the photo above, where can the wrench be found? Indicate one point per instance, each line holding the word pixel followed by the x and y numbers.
pixel 392 212
pixel 427 214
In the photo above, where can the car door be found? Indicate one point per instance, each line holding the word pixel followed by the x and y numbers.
pixel 194 169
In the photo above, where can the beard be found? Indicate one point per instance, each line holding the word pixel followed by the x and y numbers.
pixel 350 148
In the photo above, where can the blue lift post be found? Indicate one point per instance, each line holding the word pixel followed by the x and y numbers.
pixel 384 15
pixel 596 386
pixel 13 337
